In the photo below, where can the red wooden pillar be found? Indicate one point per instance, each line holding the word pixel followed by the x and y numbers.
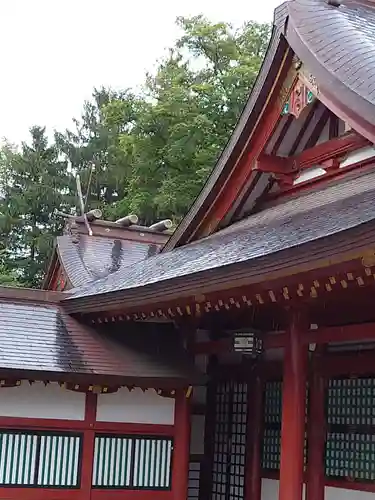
pixel 316 431
pixel 253 479
pixel 293 410
pixel 181 449
pixel 88 446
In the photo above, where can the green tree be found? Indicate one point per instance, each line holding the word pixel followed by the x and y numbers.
pixel 8 277
pixel 147 153
pixel 35 183
pixel 189 110
pixel 152 152
pixel 93 148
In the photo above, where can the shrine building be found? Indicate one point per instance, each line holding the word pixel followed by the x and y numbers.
pixel 233 359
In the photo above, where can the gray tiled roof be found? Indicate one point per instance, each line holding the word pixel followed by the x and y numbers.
pixel 299 220
pixel 42 337
pixel 342 40
pixel 94 257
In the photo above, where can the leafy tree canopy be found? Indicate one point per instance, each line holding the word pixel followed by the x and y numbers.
pixel 146 152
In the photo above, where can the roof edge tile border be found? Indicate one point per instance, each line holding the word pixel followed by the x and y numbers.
pixel 30 294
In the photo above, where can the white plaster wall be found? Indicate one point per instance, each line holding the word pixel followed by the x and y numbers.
pixel 40 401
pixel 197 435
pixel 270 491
pixel 135 406
pixel 341 494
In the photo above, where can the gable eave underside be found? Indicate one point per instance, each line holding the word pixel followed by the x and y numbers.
pixel 247 122
pixel 337 44
pixel 343 96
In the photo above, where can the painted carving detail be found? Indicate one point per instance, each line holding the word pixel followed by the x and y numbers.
pixel 300 97
pixel 312 80
pixel 309 80
pixel 287 85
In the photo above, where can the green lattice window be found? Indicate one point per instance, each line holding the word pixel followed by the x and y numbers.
pixel 350 445
pixel 128 462
pixel 228 468
pixel 272 425
pixel 40 459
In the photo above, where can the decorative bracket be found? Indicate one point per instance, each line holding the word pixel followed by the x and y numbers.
pixel 300 97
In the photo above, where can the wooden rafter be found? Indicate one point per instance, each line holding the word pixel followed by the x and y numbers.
pixel 303 129
pixel 333 126
pixel 318 129
pixel 283 132
pixel 327 150
pixel 316 155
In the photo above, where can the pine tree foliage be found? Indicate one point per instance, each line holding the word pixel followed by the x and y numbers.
pixel 35 184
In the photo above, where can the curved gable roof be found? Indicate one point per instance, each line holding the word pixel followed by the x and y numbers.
pixel 284 232
pixel 337 44
pixel 85 258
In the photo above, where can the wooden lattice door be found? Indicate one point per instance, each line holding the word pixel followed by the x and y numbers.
pixel 229 440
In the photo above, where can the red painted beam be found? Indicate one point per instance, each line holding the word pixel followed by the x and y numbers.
pixel 327 150
pixel 127 428
pixel 351 485
pixel 332 365
pixel 324 335
pixel 119 494
pixel 347 333
pixel 212 347
pixel 303 129
pixel 15 493
pixel 270 341
pixel 273 164
pixel 87 462
pixel 47 424
pixel 293 412
pixel 348 364
pixel 312 156
pixel 44 424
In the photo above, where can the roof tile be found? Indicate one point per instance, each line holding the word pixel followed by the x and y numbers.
pixel 296 221
pixel 42 337
pixel 94 257
pixel 340 38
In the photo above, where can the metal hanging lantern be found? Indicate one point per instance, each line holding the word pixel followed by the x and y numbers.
pixel 248 344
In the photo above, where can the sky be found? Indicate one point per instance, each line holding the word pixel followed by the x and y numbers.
pixel 54 52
